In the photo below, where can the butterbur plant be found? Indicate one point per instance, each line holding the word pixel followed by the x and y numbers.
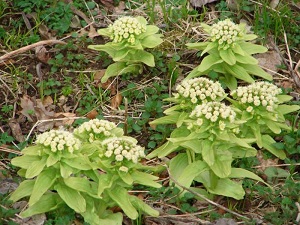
pixel 129 38
pixel 207 140
pixel 90 170
pixel 229 53
pixel 261 106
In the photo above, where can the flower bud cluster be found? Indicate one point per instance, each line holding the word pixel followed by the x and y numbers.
pixel 96 129
pixel 199 90
pixel 225 33
pixel 214 112
pixel 123 148
pixel 126 28
pixel 258 94
pixel 59 140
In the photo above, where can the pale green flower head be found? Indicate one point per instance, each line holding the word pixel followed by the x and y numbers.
pixel 123 149
pixel 58 141
pixel 225 33
pixel 95 129
pixel 199 90
pixel 215 114
pixel 259 95
pixel 126 29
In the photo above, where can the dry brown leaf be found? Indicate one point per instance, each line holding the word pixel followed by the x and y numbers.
pixel 92 114
pixel 16 130
pixel 116 101
pixel 47 101
pixel 68 122
pixel 107 85
pixel 27 108
pixel 75 22
pixel 265 163
pixel 93 33
pixel 120 8
pixel 269 60
pixel 200 3
pixel 42 54
pixel 45 32
pixel 109 4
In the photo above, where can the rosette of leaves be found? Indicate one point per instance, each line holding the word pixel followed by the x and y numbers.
pixel 53 170
pixel 229 53
pixel 261 106
pixel 118 159
pixel 209 138
pixel 130 36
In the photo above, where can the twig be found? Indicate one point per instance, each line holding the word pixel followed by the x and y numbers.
pixel 50 120
pixel 28 47
pixel 279 165
pixel 208 200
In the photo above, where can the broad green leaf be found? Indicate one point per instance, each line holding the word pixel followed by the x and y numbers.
pixel 71 197
pixel 24 190
pixel 47 203
pixel 169 119
pixel 199 46
pixel 120 54
pixel 104 32
pixel 237 49
pixel 194 145
pixel 151 41
pixel 51 160
pixel 286 109
pixel 126 177
pixel 65 170
pixel 257 133
pixel 284 98
pixel 163 150
pixel 249 37
pixel 229 188
pixel 252 48
pixel 120 196
pixel 190 172
pixel 178 164
pixel 206 27
pixel 228 56
pixel 141 20
pixel 82 184
pixel 208 62
pixel 208 154
pixel 25 161
pixel 273 126
pixel 222 163
pixel 43 183
pixel 80 163
pixel 242 173
pixel 239 141
pixel 239 72
pixel 111 219
pixel 141 206
pixel 257 71
pixel 246 59
pixel 35 168
pixel 143 56
pixel 119 68
pixel 32 150
pixel 105 182
pixel 210 46
pixel 268 144
pixel 150 30
pixel 194 73
pixel 272 172
pixel 145 179
pixel 230 81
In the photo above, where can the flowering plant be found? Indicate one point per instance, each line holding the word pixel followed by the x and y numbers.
pixel 229 54
pixel 90 170
pixel 130 36
pixel 208 133
pixel 260 105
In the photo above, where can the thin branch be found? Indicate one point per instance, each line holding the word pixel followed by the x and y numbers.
pixel 28 47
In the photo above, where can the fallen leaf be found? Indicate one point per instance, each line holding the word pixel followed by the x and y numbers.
pixel 47 101
pixel 200 3
pixel 116 101
pixel 269 60
pixel 66 121
pixel 75 22
pixel 107 85
pixel 42 54
pixel 45 32
pixel 109 4
pixel 93 33
pixel 27 108
pixel 92 114
pixel 16 130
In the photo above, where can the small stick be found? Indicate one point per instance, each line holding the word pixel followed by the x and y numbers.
pixel 208 200
pixel 28 47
